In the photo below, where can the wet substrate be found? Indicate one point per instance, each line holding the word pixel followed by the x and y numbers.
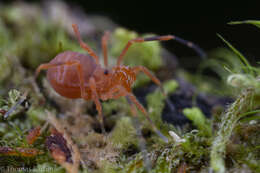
pixel 185 97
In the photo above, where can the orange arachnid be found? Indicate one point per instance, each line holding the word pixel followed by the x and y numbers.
pixel 75 75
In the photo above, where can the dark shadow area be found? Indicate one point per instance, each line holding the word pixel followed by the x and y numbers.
pixel 197 21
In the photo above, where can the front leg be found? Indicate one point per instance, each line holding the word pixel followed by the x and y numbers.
pixel 143 69
pixel 156 81
pixel 132 98
pixel 94 96
pixel 148 73
pixel 114 93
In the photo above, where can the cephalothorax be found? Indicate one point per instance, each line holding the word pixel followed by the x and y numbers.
pixel 76 75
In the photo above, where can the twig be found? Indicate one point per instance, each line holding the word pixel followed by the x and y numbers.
pixel 22 99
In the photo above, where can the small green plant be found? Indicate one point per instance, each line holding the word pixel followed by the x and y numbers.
pixel 245 104
pixel 198 119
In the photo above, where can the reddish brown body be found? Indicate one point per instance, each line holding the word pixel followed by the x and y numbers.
pixel 64 79
pixel 75 75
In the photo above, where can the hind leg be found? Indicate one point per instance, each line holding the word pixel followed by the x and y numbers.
pixel 143 110
pixel 104 47
pixel 83 45
pixel 132 100
pixel 69 63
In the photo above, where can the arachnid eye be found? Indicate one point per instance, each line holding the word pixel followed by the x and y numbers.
pixel 106 72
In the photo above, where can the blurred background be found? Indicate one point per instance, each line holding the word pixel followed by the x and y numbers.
pixel 197 21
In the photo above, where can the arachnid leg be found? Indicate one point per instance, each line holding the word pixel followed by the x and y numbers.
pixel 133 108
pixel 104 47
pixel 150 75
pixel 95 97
pixel 155 80
pixel 51 65
pixel 69 63
pixel 143 110
pixel 142 143
pixel 111 94
pixel 143 69
pixel 198 50
pixel 84 45
pixel 46 67
pixel 117 91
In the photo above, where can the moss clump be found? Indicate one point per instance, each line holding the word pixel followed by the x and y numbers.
pixel 170 86
pixel 169 157
pixel 12 105
pixel 120 105
pixel 228 123
pixel 155 104
pixel 5 66
pixel 36 114
pixel 35 40
pixel 247 82
pixel 124 134
pixel 198 119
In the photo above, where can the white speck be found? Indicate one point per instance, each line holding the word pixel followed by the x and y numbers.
pixel 175 137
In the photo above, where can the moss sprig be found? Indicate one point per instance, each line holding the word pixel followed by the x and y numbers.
pixel 227 125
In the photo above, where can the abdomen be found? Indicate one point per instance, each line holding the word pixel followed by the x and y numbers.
pixel 64 78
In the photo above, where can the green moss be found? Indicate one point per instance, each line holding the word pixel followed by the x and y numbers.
pixel 5 36
pixel 169 157
pixel 198 119
pixel 120 105
pixel 228 123
pixel 124 134
pixel 14 96
pixel 156 103
pixel 39 47
pixel 5 66
pixel 108 167
pixel 135 165
pixel 5 69
pixel 170 86
pixel 246 81
pixel 36 114
pixel 251 22
pixel 146 54
pixel 222 62
pixel 12 105
pixel 36 40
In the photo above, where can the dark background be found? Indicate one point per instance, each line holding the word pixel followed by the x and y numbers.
pixel 197 21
